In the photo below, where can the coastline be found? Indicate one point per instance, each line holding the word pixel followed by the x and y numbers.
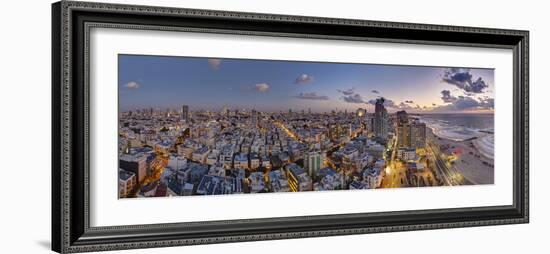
pixel 472 163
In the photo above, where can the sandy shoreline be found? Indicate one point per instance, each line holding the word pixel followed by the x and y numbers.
pixel 471 161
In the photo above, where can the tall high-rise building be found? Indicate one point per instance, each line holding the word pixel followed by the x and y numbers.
pixel 403 134
pixel 185 112
pixel 380 119
pixel 402 129
pixel 411 135
pixel 418 135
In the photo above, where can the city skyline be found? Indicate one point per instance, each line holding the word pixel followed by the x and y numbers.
pixel 204 126
pixel 273 86
pixel 163 154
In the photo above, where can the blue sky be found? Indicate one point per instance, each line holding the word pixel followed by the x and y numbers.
pixel 211 84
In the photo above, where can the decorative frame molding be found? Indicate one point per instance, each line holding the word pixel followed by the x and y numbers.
pixel 71 22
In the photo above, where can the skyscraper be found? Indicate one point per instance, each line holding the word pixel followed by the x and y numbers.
pixel 418 135
pixel 380 119
pixel 185 112
pixel 403 133
pixel 411 135
pixel 402 129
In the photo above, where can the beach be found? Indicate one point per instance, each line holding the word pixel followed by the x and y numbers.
pixel 475 162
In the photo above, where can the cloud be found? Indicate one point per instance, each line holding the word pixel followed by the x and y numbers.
pixel 488 103
pixel 375 91
pixel 461 103
pixel 387 103
pixel 132 85
pixel 304 78
pixel 347 91
pixel 465 102
pixel 447 97
pixel 462 78
pixel 403 105
pixel 262 87
pixel 350 96
pixel 215 63
pixel 355 98
pixel 311 96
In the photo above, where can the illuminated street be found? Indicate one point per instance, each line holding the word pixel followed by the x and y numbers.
pixel 200 126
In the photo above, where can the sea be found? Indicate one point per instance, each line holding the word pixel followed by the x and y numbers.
pixel 460 127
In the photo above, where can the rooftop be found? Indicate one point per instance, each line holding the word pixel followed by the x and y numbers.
pixel 125 175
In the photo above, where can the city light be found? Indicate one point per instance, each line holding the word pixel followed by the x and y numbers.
pixel 250 139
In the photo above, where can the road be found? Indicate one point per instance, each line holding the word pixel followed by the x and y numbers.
pixel 395 171
pixel 288 131
pixel 449 175
pixel 158 166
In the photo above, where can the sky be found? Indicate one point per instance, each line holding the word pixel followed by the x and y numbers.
pixel 267 85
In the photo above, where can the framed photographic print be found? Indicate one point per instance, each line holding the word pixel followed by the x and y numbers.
pixel 182 126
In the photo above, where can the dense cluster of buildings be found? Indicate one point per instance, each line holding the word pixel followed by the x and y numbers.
pixel 184 152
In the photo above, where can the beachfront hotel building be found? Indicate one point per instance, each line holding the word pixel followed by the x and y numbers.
pixel 410 134
pixel 418 135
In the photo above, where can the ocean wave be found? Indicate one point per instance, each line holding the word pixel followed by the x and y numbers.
pixel 484 140
pixel 444 130
pixel 486 145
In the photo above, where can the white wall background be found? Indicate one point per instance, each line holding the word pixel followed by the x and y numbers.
pixel 25 125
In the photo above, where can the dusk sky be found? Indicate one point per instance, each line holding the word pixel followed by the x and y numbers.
pixel 267 85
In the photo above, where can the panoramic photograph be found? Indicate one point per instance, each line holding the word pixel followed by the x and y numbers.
pixel 212 126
